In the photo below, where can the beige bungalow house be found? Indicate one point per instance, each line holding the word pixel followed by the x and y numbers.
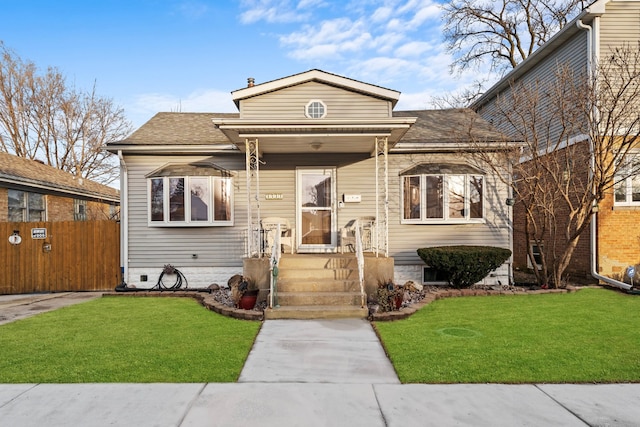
pixel 354 187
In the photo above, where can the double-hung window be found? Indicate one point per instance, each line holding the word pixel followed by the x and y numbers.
pixel 627 182
pixel 190 195
pixel 442 193
pixel 26 207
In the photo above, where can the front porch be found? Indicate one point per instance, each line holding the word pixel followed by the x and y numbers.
pixel 313 286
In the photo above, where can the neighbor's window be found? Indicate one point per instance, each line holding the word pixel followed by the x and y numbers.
pixel 26 207
pixel 315 110
pixel 190 200
pixel 627 186
pixel 537 255
pixel 80 210
pixel 442 197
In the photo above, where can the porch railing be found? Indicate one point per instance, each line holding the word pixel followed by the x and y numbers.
pixel 273 270
pixel 360 258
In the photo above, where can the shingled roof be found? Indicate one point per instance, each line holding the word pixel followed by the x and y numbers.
pixel 25 173
pixel 432 126
pixel 448 125
pixel 179 128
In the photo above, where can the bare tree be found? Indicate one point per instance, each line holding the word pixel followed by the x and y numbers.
pixel 577 132
pixel 41 117
pixel 501 34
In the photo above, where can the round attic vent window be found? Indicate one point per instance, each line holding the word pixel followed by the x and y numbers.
pixel 316 109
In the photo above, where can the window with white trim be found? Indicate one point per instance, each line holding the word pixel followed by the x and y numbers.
pixel 442 193
pixel 193 199
pixel 627 182
pixel 79 210
pixel 26 207
pixel 315 109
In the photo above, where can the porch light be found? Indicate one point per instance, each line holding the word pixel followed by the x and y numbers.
pixel 511 201
pixel 316 145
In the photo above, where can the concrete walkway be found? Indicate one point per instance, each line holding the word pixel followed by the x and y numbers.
pixel 318 373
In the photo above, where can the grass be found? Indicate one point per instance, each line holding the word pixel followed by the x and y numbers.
pixel 589 336
pixel 115 339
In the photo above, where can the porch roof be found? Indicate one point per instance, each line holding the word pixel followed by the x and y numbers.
pixel 303 136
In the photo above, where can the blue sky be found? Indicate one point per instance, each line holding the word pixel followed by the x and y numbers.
pixel 188 55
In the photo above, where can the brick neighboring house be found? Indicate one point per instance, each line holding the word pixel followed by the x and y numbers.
pixel 613 241
pixel 31 191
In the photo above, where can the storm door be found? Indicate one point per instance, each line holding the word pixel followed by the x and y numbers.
pixel 316 231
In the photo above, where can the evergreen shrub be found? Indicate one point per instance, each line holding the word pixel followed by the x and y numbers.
pixel 464 265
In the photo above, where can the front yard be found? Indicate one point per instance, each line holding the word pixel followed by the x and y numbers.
pixel 592 335
pixel 114 339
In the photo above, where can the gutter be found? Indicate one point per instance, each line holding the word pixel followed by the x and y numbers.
pixel 593 246
pixel 124 220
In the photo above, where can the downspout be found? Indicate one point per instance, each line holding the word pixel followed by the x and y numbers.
pixel 124 220
pixel 591 56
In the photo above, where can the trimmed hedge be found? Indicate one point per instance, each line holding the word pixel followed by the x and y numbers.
pixel 464 265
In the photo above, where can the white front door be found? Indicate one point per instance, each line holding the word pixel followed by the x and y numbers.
pixel 316 230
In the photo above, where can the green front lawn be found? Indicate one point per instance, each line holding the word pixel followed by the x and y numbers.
pixel 589 336
pixel 120 339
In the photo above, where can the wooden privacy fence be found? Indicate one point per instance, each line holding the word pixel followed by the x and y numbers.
pixel 59 256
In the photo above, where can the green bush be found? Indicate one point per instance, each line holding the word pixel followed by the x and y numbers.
pixel 464 265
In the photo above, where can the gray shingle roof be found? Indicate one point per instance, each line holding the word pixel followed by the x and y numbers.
pixel 179 128
pixel 432 126
pixel 31 173
pixel 449 125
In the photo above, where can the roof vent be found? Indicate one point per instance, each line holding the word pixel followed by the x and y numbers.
pixel 251 82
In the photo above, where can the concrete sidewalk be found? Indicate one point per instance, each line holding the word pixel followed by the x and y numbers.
pixel 318 373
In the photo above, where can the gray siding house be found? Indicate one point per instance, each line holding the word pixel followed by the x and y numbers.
pixel 610 245
pixel 319 153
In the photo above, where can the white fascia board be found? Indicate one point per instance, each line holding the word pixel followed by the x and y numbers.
pixel 52 188
pixel 187 149
pixel 399 122
pixel 317 75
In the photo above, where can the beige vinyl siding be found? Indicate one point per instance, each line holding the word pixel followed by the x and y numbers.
pixel 224 246
pixel 405 239
pixel 290 103
pixel 157 246
pixel 572 53
pixel 619 25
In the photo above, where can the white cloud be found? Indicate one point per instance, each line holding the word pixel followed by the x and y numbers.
pixel 413 49
pixel 273 11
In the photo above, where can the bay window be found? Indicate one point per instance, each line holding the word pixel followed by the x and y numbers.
pixel 433 193
pixel 193 199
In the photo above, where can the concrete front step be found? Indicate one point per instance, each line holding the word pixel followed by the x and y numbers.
pixel 314 285
pixel 318 261
pixel 315 312
pixel 348 299
pixel 317 273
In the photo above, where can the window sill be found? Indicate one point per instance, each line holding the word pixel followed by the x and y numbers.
pixel 445 222
pixel 626 207
pixel 188 225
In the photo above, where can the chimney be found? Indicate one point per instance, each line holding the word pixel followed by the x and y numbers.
pixel 251 82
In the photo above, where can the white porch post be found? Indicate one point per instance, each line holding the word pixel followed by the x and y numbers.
pixel 252 165
pixel 382 180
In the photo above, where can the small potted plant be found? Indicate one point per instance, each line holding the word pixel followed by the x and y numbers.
pixel 249 294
